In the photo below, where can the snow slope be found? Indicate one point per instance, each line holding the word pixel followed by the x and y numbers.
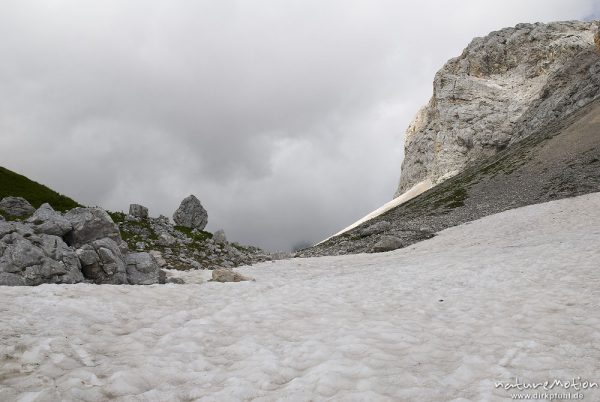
pixel 513 294
pixel 411 193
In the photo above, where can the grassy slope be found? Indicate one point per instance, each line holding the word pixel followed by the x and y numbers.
pixel 14 184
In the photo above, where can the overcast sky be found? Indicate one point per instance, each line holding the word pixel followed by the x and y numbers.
pixel 285 118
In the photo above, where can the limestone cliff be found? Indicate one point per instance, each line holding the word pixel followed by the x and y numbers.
pixel 501 88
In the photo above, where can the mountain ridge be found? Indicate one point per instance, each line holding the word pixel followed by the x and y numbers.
pixel 568 116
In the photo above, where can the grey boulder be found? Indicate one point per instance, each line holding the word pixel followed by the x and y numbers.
pixel 139 211
pixel 191 214
pixel 158 258
pixel 16 206
pixel 90 224
pixel 228 275
pixel 48 221
pixel 102 262
pixel 27 258
pixel 142 269
pixel 387 243
pixel 166 240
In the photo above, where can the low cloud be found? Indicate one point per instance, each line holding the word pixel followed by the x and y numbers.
pixel 286 120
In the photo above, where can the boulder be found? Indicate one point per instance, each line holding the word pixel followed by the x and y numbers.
pixel 387 243
pixel 166 240
pixel 142 269
pixel 219 237
pixel 176 281
pixel 16 206
pixel 191 214
pixel 158 258
pixel 48 221
pixel 376 228
pixel 27 258
pixel 102 262
pixel 90 224
pixel 228 275
pixel 139 211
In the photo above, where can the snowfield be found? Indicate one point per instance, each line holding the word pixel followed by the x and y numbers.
pixel 512 295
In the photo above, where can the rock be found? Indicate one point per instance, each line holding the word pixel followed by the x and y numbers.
pixel 16 206
pixel 501 88
pixel 191 214
pixel 48 221
pixel 219 237
pixel 2 218
pixel 376 228
pixel 387 243
pixel 27 258
pixel 162 277
pixel 228 275
pixel 140 246
pixel 131 218
pixel 90 224
pixel 102 262
pixel 176 281
pixel 142 269
pixel 163 220
pixel 166 240
pixel 139 211
pixel 158 258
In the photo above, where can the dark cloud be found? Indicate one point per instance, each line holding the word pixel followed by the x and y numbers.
pixel 285 119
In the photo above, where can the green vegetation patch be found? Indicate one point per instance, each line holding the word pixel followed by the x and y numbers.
pixel 16 185
pixel 198 235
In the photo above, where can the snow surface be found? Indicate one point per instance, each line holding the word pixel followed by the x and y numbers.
pixel 520 291
pixel 409 194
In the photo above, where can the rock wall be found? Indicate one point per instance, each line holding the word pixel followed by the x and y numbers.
pixel 501 87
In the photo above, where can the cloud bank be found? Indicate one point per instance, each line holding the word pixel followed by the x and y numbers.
pixel 285 118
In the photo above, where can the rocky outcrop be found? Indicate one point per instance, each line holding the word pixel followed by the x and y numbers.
pixel 142 269
pixel 48 221
pixel 191 214
pixel 90 224
pixel 183 248
pixel 138 211
pixel 501 88
pixel 102 262
pixel 16 206
pixel 27 258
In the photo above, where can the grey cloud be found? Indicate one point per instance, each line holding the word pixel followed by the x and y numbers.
pixel 286 119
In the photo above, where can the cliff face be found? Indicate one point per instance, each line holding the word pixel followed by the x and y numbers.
pixel 502 87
